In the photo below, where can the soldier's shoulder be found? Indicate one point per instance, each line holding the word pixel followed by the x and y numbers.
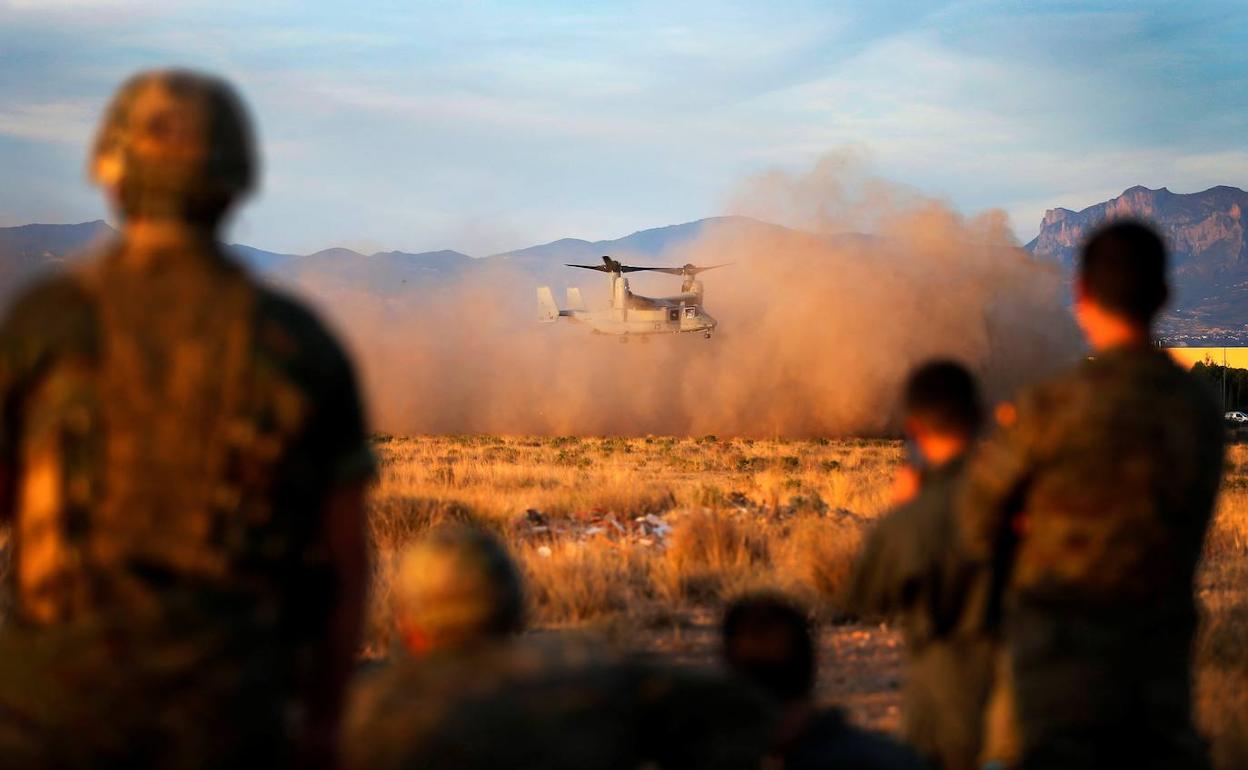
pixel 904 520
pixel 48 296
pixel 1069 391
pixel 51 307
pixel 282 312
pixel 294 336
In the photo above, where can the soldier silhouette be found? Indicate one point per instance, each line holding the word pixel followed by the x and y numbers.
pixel 769 642
pixel 182 462
pixel 1098 497
pixel 914 568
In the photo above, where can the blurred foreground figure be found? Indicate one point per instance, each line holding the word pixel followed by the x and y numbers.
pixel 469 693
pixel 913 567
pixel 769 642
pixel 182 459
pixel 1099 494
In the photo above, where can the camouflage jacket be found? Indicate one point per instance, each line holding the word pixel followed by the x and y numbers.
pixel 1101 490
pixel 913 568
pixel 169 430
pixel 542 703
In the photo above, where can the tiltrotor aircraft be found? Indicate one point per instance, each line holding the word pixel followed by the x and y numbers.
pixel 632 314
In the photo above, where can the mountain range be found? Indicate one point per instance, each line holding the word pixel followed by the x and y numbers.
pixel 30 249
pixel 1205 231
pixel 1208 253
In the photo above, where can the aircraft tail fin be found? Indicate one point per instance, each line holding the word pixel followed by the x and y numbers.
pixel 575 302
pixel 547 310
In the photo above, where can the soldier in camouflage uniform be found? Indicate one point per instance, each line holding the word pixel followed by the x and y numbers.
pixel 913 568
pixel 1100 493
pixel 182 463
pixel 468 692
pixel 770 642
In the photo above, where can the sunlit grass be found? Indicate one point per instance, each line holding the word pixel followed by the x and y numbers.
pixel 742 514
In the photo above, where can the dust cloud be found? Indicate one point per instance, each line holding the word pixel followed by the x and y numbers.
pixel 821 317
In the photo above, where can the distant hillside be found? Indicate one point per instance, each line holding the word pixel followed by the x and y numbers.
pixel 27 251
pixel 30 250
pixel 644 244
pixel 1209 252
pixel 1205 231
pixel 382 274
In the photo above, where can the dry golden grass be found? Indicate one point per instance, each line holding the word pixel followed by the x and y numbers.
pixel 742 514
pixel 1222 649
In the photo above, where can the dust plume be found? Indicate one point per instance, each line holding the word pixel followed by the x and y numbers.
pixel 820 320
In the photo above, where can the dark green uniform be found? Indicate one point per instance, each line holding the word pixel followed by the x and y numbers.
pixel 540 704
pixel 1101 493
pixel 169 431
pixel 913 567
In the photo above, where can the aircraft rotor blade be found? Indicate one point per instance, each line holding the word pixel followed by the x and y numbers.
pixel 611 266
pixel 686 270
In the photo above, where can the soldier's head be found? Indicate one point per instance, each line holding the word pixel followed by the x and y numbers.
pixel 456 587
pixel 1121 284
pixel 768 640
pixel 942 410
pixel 175 146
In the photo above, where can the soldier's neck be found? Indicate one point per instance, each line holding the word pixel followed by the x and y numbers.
pixel 145 239
pixel 1120 336
pixel 1107 330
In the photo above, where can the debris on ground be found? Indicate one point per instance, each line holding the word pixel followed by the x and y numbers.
pixel 653 529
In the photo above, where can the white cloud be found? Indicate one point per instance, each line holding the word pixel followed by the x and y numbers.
pixel 69 123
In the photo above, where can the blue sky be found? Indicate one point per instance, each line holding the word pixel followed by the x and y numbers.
pixel 484 126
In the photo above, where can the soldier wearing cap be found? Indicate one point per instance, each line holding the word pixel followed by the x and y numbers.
pixel 468 692
pixel 182 464
pixel 1096 499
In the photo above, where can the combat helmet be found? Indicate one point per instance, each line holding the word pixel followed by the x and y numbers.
pixel 457 586
pixel 175 144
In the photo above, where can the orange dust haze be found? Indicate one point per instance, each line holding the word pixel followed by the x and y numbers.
pixel 817 329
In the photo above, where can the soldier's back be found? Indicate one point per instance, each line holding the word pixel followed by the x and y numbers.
pixel 1126 451
pixel 1107 484
pixel 169 431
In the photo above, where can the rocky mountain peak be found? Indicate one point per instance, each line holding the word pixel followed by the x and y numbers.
pixel 1204 229
pixel 1205 234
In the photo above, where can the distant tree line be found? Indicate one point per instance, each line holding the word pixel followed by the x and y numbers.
pixel 1231 383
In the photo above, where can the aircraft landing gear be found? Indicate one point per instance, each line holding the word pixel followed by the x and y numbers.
pixel 707 335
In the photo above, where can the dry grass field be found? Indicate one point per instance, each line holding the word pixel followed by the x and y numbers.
pixel 643 539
